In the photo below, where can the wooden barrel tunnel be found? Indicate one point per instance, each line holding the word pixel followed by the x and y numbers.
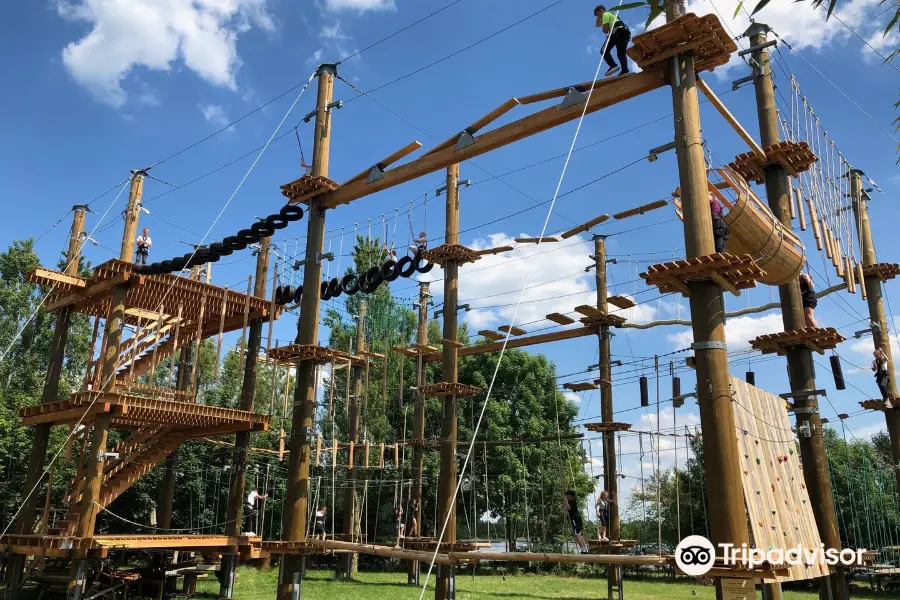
pixel 754 230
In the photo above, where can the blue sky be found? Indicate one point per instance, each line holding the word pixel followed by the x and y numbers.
pixel 98 87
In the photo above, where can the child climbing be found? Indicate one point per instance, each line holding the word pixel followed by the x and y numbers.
pixel 602 508
pixel 882 374
pixel 143 247
pixel 319 524
pixel 618 39
pixel 413 529
pixel 719 226
pixel 575 517
pixel 253 499
pixel 809 300
pixel 398 524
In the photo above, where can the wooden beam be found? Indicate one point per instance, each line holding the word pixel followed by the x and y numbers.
pixel 723 110
pixel 612 92
pixel 478 125
pixel 584 226
pixel 89 292
pixel 536 240
pixel 385 163
pixel 639 210
pixel 58 278
pixel 496 250
pixel 532 340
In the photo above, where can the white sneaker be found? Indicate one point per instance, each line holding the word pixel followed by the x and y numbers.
pixel 613 70
pixel 887 404
pixel 604 539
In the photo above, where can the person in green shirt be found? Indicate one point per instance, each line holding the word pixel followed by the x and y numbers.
pixel 619 36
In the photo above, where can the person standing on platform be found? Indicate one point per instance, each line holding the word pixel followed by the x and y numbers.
pixel 602 508
pixel 619 36
pixel 719 225
pixel 809 300
pixel 143 243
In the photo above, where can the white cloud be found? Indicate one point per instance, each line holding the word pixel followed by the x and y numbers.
pixel 798 23
pixel 360 5
pixel 316 57
pixel 572 397
pixel 866 432
pixel 156 34
pixel 738 331
pixel 215 114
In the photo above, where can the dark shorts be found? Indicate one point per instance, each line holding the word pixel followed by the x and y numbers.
pixel 576 524
pixel 603 517
pixel 809 299
pixel 319 529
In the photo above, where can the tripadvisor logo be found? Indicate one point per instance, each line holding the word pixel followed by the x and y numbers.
pixel 695 556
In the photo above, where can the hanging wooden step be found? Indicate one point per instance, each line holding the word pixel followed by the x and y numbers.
pixel 883 271
pixel 580 386
pixel 639 210
pixel 491 335
pixel 404 350
pixel 818 340
pixel 732 273
pixel 444 389
pixel 497 250
pixel 622 302
pixel 584 226
pixel 704 36
pixel 450 343
pixel 607 426
pixel 512 330
pixel 288 355
pixel 308 187
pixel 369 354
pixel 446 252
pixel 795 157
pixel 560 319
pixel 536 240
pixel 598 547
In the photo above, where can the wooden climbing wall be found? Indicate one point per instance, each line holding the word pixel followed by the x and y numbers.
pixel 777 500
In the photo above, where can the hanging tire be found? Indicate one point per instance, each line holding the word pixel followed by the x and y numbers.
pixel 288 293
pixel 350 284
pixel 418 260
pixel 154 268
pixel 279 296
pixel 233 243
pixel 276 221
pixel 247 236
pixel 166 266
pixel 389 270
pixel 298 295
pixel 178 263
pixel 323 291
pixel 220 249
pixel 334 288
pixel 262 229
pixel 406 266
pixel 291 212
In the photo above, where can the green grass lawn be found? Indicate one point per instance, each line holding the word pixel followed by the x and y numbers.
pixel 318 585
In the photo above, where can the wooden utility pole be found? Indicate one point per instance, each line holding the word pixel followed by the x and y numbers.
pixel 881 335
pixel 610 472
pixel 349 561
pixel 234 512
pixel 304 407
pixel 728 522
pixel 445 581
pixel 93 477
pixel 131 216
pixel 801 368
pixel 41 436
pixel 415 494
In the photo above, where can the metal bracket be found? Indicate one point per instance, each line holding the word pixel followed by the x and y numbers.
pixel 464 140
pixel 806 410
pixel 803 394
pixel 573 98
pixel 753 49
pixel 375 173
pixel 739 82
pixel 320 256
pixel 805 430
pixel 709 346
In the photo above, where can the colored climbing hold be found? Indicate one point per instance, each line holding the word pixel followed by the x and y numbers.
pixel 804 502
pixel 803 486
pixel 790 451
pixel 757 492
pixel 773 487
pixel 773 512
pixel 780 460
pixel 773 528
pixel 785 534
pixel 760 523
pixel 758 461
pixel 777 478
pixel 746 472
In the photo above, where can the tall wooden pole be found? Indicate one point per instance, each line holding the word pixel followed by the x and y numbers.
pixel 41 436
pixel 874 293
pixel 350 561
pixel 801 369
pixel 294 520
pixel 132 212
pixel 415 494
pixel 728 521
pixel 610 472
pixel 238 478
pixel 447 485
pixel 89 506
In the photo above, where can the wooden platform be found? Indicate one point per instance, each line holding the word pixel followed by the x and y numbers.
pixel 560 319
pixel 580 386
pixel 876 404
pixel 607 426
pixel 288 355
pixel 795 157
pixel 100 546
pixel 446 252
pixel 132 412
pixel 732 273
pixel 622 302
pixel 152 391
pixel 704 36
pixel 598 547
pixel 883 271
pixel 444 389
pixel 817 340
pixel 147 294
pixel 307 187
